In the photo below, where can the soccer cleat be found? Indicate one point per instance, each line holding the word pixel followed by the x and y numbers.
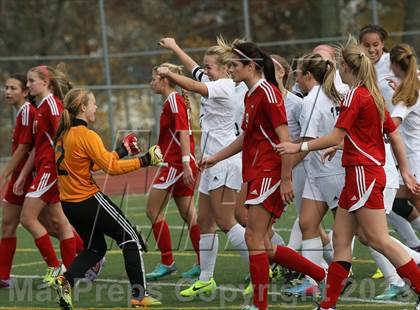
pixel 275 272
pixel 393 291
pixel 5 283
pixel 93 272
pixel 200 287
pixel 146 301
pixel 49 278
pixel 377 275
pixel 160 271
pixel 63 289
pixel 291 278
pixel 194 272
pixel 307 288
pixel 252 307
pixel 319 308
pixel 249 290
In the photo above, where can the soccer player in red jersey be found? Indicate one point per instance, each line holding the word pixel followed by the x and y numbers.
pixel 361 123
pixel 16 93
pixel 268 174
pixel 49 86
pixel 178 177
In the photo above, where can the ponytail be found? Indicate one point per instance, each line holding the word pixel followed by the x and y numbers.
pixel 74 100
pixel 364 71
pixel 250 52
pixel 323 72
pixel 58 81
pixel 408 90
pixel 186 97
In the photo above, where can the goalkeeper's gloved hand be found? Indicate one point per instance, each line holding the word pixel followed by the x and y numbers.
pixel 152 158
pixel 128 146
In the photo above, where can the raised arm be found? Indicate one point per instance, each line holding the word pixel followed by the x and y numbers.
pixel 170 44
pixel 184 82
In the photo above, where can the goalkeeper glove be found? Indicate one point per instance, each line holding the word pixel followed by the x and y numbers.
pixel 128 146
pixel 152 157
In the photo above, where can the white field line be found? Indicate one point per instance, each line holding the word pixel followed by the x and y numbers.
pixel 224 288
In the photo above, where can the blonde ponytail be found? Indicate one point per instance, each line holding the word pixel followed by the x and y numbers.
pixel 364 71
pixel 408 90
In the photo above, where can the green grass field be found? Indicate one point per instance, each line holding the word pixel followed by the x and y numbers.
pixel 111 289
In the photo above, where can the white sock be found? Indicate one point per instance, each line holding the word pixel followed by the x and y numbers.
pixel 328 253
pixel 416 224
pixel 312 250
pixel 295 241
pixel 414 254
pixel 236 236
pixel 403 227
pixel 390 273
pixel 277 239
pixel 209 246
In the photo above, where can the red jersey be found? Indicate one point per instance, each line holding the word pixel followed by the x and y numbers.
pixel 174 118
pixel 47 118
pixel 364 141
pixel 22 133
pixel 264 111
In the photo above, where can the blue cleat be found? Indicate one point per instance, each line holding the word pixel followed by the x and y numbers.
pixel 307 288
pixel 161 271
pixel 194 272
pixel 252 307
pixel 393 291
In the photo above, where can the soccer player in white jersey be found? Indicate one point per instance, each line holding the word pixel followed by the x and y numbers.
pixel 325 181
pixel 218 185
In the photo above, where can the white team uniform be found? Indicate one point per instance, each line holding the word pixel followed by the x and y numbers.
pixel 384 72
pixel 218 130
pixel 325 180
pixel 293 105
pixel 410 132
pixel 239 99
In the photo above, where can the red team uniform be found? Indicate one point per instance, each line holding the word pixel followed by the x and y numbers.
pixel 261 166
pixel 45 127
pixel 364 150
pixel 174 118
pixel 22 134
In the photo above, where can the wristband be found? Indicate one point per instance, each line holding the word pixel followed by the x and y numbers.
pixel 186 159
pixel 304 147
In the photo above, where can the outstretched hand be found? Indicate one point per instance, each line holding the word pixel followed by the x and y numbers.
pixel 287 148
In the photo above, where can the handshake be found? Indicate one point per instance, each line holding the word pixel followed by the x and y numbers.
pixel 129 146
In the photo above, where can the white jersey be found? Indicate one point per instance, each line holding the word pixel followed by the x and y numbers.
pixel 339 85
pixel 216 113
pixel 384 73
pixel 240 92
pixel 317 119
pixel 409 128
pixel 293 105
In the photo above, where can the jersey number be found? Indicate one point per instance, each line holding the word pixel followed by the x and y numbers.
pixel 59 148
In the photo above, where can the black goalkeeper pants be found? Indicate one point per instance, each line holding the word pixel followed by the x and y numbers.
pixel 95 218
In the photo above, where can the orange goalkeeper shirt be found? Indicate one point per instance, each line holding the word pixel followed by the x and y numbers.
pixel 79 153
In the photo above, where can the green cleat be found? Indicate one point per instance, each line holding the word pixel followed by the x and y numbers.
pixel 393 291
pixel 160 271
pixel 63 289
pixel 49 278
pixel 377 275
pixel 200 287
pixel 194 272
pixel 249 290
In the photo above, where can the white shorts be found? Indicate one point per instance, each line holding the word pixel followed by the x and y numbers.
pixel 389 196
pixel 225 173
pixel 326 189
pixel 414 166
pixel 299 177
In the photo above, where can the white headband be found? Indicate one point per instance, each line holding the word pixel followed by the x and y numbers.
pixel 246 57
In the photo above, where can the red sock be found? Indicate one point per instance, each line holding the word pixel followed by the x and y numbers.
pixel 411 272
pixel 289 258
pixel 79 242
pixel 258 267
pixel 195 240
pixel 336 279
pixel 46 249
pixel 68 251
pixel 163 240
pixel 7 250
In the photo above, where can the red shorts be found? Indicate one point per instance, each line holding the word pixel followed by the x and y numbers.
pixel 10 197
pixel 266 191
pixel 364 186
pixel 45 186
pixel 171 179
